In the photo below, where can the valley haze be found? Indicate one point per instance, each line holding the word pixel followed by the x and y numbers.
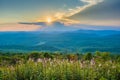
pixel 62 41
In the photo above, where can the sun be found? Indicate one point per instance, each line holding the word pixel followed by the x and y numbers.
pixel 49 20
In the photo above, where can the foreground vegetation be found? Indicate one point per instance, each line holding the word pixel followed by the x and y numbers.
pixel 58 66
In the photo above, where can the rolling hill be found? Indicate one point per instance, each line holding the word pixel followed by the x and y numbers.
pixel 70 41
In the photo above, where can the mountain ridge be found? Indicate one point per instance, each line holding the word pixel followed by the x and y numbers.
pixel 82 40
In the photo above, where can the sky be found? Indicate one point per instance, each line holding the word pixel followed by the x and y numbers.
pixel 87 14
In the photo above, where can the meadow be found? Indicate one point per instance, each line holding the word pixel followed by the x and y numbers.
pixel 59 66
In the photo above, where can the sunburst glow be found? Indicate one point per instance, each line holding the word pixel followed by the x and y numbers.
pixel 49 20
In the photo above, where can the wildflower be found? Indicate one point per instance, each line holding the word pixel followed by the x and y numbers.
pixel 113 66
pixel 82 64
pixel 54 59
pixel 107 64
pixel 36 63
pixel 92 62
pixel 51 63
pixel 12 68
pixel 111 61
pixel 39 60
pixel 63 60
pixel 30 59
pixel 49 59
pixel 100 65
pixel 108 71
pixel 71 61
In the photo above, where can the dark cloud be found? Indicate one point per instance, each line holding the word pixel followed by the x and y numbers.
pixel 107 10
pixel 57 26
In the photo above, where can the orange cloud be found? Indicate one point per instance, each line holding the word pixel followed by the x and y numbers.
pixel 64 16
pixel 18 27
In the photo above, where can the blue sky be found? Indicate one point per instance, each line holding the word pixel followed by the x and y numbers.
pixel 30 10
pixel 69 12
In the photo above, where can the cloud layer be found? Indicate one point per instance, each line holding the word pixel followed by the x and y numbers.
pixel 64 16
pixel 19 27
pixel 106 14
pixel 69 13
pixel 78 9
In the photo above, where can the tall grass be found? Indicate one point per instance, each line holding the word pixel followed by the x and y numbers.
pixel 61 69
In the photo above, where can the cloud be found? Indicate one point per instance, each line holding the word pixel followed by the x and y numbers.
pixel 97 27
pixel 64 16
pixel 59 26
pixel 78 9
pixel 92 1
pixel 93 12
pixel 115 23
pixel 105 14
pixel 18 27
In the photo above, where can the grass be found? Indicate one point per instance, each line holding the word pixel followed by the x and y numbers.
pixel 62 69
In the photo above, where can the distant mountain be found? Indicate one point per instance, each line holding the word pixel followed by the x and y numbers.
pixel 70 41
pixel 59 26
pixel 55 26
